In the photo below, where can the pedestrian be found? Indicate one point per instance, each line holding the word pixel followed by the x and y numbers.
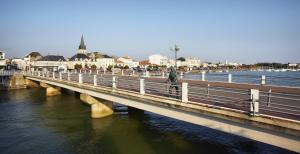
pixel 172 80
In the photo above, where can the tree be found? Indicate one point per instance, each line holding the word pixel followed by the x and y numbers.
pixel 181 59
pixel 109 68
pixel 78 66
pixel 126 67
pixel 93 67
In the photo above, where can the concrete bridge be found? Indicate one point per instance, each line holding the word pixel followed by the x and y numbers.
pixel 252 111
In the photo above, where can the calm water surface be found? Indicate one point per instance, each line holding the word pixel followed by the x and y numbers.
pixel 33 123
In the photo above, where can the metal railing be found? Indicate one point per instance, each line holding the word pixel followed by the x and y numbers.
pixel 251 101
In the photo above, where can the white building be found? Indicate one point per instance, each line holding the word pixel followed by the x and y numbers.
pixel 2 59
pixel 21 63
pixel 127 61
pixel 104 62
pixel 158 60
pixel 51 63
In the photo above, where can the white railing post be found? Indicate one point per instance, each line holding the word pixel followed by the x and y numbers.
pixel 254 104
pixel 97 72
pixel 60 76
pixel 114 85
pixel 184 92
pixel 39 73
pixel 163 74
pixel 263 79
pixel 104 71
pixel 69 76
pixel 203 76
pixel 53 75
pixel 90 71
pixel 142 86
pixel 147 74
pixel 229 78
pixel 95 80
pixel 133 72
pixel 181 75
pixel 122 72
pixel 80 78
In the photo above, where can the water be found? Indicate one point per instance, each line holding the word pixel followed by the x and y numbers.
pixel 288 78
pixel 33 123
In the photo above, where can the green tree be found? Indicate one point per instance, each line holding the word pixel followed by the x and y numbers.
pixel 77 66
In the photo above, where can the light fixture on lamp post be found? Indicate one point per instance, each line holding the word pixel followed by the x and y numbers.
pixel 175 49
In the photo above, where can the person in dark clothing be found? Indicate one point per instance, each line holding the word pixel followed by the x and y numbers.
pixel 172 79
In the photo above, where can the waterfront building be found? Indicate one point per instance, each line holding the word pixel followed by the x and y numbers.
pixel 2 59
pixel 127 61
pixel 51 63
pixel 144 64
pixel 19 63
pixel 30 60
pixel 158 59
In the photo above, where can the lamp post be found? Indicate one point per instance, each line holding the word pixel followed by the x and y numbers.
pixel 175 49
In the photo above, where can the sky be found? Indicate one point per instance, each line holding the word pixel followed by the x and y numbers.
pixel 246 31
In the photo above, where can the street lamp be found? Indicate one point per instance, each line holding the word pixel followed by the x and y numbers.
pixel 175 49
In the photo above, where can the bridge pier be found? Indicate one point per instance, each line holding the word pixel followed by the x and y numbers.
pixel 31 84
pixel 51 90
pixel 99 108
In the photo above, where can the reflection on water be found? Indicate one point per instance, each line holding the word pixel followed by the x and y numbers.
pixel 33 123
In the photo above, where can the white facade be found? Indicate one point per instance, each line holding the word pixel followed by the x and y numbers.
pixel 21 63
pixel 189 62
pixel 158 60
pixel 2 58
pixel 104 62
pixel 128 61
pixel 54 65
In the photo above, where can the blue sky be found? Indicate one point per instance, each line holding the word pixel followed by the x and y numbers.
pixel 247 31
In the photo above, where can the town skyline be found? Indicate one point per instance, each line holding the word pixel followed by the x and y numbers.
pixel 247 32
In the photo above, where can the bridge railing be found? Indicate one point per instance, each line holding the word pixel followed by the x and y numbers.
pixel 263 102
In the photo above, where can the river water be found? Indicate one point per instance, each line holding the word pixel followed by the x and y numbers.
pixel 33 123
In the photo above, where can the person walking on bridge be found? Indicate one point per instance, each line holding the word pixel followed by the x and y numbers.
pixel 172 80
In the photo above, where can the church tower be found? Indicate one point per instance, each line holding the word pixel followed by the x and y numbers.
pixel 82 47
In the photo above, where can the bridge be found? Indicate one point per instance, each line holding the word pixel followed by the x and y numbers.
pixel 269 114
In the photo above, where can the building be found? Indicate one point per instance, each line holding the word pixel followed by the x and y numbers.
pixel 2 59
pixel 51 63
pixel 144 63
pixel 158 60
pixel 127 61
pixel 30 60
pixel 81 57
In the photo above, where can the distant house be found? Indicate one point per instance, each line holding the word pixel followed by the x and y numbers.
pixel 51 63
pixel 127 61
pixel 144 63
pixel 2 59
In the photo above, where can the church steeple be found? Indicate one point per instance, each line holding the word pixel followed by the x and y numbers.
pixel 82 45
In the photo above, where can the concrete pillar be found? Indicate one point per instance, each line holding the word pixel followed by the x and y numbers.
pixel 95 80
pixel 97 72
pixel 184 92
pixel 39 73
pixel 122 72
pixel 99 108
pixel 114 85
pixel 133 72
pixel 254 104
pixel 203 76
pixel 147 73
pixel 51 90
pixel 69 76
pixel 263 79
pixel 53 75
pixel 60 76
pixel 181 75
pixel 229 78
pixel 104 71
pixel 163 74
pixel 142 86
pixel 80 78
